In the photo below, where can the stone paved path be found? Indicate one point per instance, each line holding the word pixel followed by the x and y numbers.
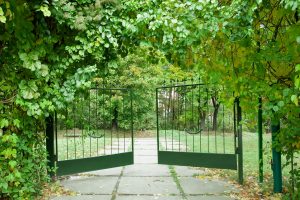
pixel 145 180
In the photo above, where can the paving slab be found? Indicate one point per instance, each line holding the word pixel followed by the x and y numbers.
pixel 145 159
pixel 148 185
pixel 143 170
pixel 83 197
pixel 187 171
pixel 145 147
pixel 144 197
pixel 146 180
pixel 192 185
pixel 145 152
pixel 145 141
pixel 105 172
pixel 92 185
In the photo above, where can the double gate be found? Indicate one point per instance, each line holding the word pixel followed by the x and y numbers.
pixel 197 125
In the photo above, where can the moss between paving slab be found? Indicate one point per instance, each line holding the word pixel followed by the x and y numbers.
pixel 176 180
pixel 115 192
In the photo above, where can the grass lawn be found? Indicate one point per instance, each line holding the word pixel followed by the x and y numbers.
pixel 75 144
pixel 204 142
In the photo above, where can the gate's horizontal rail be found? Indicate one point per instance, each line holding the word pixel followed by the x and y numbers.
pixel 209 160
pixel 90 164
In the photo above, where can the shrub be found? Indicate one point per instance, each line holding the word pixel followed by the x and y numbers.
pixel 23 164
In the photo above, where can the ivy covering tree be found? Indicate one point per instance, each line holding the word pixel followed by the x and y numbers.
pixel 51 49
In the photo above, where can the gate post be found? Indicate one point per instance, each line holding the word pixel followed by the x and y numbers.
pixel 50 144
pixel 240 142
pixel 276 162
pixel 260 140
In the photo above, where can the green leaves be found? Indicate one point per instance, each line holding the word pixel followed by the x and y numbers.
pixel 21 165
pixel 44 70
pixel 12 164
pixel 297 77
pixel 29 90
pixel 2 16
pixel 31 61
pixel 10 138
pixel 16 123
pixel 295 100
pixel 9 153
pixel 292 4
pixel 45 9
pixel 4 123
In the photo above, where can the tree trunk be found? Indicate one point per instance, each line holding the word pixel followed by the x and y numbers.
pixel 216 105
pixel 215 118
pixel 202 114
pixel 115 119
pixel 202 119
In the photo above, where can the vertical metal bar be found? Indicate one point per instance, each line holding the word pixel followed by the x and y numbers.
pixel 82 126
pixel 199 118
pixel 131 118
pixel 157 118
pixel 111 128
pixel 97 121
pixel 276 164
pixel 186 142
pixel 240 142
pixel 170 111
pixel 117 128
pixel 89 126
pixel 207 119
pixel 103 115
pixel 173 115
pixel 178 116
pixel 166 142
pixel 50 144
pixel 235 126
pixel 260 140
pixel 67 132
pixel 223 128
pixel 119 109
pixel 123 118
pixel 74 129
pixel 216 146
pixel 193 122
pixel 223 121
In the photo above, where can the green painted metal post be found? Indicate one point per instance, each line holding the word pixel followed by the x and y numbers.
pixel 131 121
pixel 157 121
pixel 240 142
pixel 276 164
pixel 50 144
pixel 260 140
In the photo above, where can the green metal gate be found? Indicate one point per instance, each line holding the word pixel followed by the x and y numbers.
pixel 199 126
pixel 95 131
